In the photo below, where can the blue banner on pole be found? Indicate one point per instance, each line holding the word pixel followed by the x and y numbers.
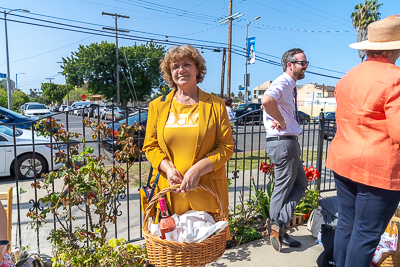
pixel 251 50
pixel 3 75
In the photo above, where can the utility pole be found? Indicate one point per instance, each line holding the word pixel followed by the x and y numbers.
pixel 224 20
pixel 223 73
pixel 228 75
pixel 116 16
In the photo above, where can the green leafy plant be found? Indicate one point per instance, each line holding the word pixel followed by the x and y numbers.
pixel 89 187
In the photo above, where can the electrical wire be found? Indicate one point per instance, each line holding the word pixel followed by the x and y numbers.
pixel 124 36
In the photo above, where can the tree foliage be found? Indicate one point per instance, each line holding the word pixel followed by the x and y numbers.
pixel 75 94
pixel 364 15
pixel 96 63
pixel 53 92
pixel 19 98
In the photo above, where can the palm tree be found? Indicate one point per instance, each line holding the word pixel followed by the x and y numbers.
pixel 364 15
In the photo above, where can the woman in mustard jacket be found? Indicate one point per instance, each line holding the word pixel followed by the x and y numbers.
pixel 188 135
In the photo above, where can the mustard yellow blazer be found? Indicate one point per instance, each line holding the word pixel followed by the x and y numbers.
pixel 214 141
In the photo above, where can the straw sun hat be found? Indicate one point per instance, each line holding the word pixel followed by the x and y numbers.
pixel 382 35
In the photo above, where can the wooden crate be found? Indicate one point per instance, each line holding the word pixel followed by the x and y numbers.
pixel 296 220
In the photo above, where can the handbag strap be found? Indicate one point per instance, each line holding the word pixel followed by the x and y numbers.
pixel 153 187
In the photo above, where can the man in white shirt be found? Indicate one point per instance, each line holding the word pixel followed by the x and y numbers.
pixel 282 125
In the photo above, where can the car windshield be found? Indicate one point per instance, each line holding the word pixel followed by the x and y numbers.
pixel 12 113
pixel 9 131
pixel 330 117
pixel 135 119
pixel 36 106
pixel 243 106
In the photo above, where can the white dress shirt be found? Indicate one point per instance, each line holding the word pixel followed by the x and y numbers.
pixel 281 90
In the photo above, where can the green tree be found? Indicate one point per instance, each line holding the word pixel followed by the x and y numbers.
pixel 232 94
pixel 75 94
pixel 162 90
pixel 19 98
pixel 3 98
pixel 96 63
pixel 53 92
pixel 364 15
pixel 240 94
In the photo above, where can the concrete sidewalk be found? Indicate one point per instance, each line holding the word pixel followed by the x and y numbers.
pixel 261 253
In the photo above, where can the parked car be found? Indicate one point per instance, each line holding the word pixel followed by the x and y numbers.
pixel 36 110
pixel 330 126
pixel 62 108
pixel 304 118
pixel 55 109
pixel 108 141
pixel 101 111
pixel 9 117
pixel 247 108
pixel 75 106
pixel 316 119
pixel 90 110
pixel 26 162
pixel 119 113
pixel 82 108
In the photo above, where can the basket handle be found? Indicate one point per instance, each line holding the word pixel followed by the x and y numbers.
pixel 398 233
pixel 172 189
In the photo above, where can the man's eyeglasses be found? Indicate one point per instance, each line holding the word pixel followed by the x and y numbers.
pixel 303 63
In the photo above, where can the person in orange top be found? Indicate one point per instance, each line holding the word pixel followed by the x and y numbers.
pixel 365 153
pixel 188 135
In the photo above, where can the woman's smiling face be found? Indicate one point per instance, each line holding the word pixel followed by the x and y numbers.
pixel 184 73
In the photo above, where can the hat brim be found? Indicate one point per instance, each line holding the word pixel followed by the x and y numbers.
pixel 367 45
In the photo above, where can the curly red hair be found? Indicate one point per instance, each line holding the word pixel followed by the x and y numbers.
pixel 177 53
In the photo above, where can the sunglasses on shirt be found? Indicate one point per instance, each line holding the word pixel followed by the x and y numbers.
pixel 303 63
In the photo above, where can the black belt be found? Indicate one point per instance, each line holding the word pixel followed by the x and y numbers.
pixel 282 137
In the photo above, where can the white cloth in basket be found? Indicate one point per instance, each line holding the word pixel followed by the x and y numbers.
pixel 197 226
pixel 192 226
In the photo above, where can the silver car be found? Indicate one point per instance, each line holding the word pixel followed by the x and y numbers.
pixel 27 163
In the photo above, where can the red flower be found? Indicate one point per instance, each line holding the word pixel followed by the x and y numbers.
pixel 311 173
pixel 264 167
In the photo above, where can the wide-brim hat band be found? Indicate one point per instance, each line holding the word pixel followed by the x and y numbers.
pixel 382 35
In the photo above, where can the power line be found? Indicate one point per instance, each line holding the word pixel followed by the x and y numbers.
pixel 128 37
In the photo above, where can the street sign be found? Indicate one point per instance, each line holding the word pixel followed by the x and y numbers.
pixel 3 75
pixel 241 88
pixel 83 97
pixel 12 84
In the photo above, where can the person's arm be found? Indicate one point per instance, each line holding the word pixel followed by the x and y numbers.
pixel 392 111
pixel 271 107
pixel 150 145
pixel 3 231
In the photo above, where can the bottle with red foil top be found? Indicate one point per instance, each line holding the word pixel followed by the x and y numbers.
pixel 167 224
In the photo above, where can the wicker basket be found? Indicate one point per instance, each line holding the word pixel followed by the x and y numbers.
pixel 169 253
pixel 391 258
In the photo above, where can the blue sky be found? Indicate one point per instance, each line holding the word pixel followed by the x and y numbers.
pixel 322 29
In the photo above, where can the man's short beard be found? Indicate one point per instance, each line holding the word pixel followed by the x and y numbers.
pixel 300 76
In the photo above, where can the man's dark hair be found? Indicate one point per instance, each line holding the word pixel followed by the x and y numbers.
pixel 289 57
pixel 228 101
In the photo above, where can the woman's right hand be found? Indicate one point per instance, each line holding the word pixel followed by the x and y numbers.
pixel 173 175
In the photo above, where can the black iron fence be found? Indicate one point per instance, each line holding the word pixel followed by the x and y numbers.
pixel 27 155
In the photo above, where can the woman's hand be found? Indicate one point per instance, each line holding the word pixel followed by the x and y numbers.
pixel 173 175
pixel 190 181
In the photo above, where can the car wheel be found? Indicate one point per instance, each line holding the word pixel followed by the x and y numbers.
pixel 26 167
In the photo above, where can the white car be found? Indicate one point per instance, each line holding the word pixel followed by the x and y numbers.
pixel 25 157
pixel 36 110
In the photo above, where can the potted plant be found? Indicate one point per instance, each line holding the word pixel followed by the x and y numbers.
pixel 88 186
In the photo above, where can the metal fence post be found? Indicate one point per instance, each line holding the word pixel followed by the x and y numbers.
pixel 320 146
